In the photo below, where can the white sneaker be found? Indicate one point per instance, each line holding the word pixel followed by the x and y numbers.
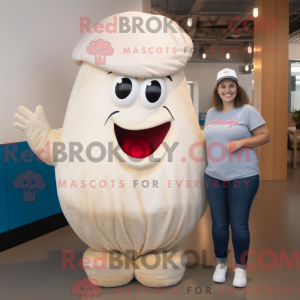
pixel 240 278
pixel 220 273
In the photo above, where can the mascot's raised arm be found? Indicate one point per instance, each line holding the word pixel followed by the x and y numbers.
pixel 40 136
pixel 130 168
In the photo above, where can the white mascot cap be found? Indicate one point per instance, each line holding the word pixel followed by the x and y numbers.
pixel 135 44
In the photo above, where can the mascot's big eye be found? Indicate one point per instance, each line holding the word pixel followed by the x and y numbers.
pixel 153 92
pixel 124 91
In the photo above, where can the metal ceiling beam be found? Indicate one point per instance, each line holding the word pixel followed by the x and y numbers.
pixel 231 12
pixel 216 31
pixel 226 40
pixel 234 26
pixel 294 12
pixel 294 19
pixel 193 14
pixel 196 6
pixel 214 15
pixel 207 14
pixel 295 36
pixel 238 40
pixel 157 10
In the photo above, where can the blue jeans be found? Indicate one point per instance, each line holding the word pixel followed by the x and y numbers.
pixel 230 203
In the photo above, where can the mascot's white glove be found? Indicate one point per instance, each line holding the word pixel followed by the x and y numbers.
pixel 40 136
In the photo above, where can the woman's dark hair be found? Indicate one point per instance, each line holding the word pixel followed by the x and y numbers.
pixel 240 99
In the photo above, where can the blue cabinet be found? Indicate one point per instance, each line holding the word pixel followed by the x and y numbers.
pixel 31 192
pixel 3 193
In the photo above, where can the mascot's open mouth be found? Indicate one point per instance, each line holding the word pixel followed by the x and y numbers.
pixel 141 143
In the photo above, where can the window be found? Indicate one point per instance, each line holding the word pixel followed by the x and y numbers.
pixel 294 85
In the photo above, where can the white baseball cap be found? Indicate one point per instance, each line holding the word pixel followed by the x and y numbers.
pixel 226 73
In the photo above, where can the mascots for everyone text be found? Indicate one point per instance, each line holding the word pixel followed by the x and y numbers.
pixel 131 150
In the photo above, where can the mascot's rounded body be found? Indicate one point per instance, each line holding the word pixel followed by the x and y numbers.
pixel 131 165
pixel 127 205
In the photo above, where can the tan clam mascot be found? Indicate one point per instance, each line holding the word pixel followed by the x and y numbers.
pixel 130 168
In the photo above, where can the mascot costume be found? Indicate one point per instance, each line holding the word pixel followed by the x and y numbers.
pixel 130 159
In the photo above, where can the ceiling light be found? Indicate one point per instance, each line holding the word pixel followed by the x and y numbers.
pixel 227 55
pixel 247 67
pixel 249 49
pixel 203 55
pixel 255 11
pixel 190 22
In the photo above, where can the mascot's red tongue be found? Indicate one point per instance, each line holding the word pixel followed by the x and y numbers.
pixel 141 143
pixel 137 148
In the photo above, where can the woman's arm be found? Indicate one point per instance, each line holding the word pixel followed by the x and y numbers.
pixel 261 136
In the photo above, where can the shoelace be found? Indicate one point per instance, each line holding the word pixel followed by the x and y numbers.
pixel 239 272
pixel 220 267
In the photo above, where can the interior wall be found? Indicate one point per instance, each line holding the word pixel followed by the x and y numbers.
pixel 206 74
pixel 294 51
pixel 146 6
pixel 38 38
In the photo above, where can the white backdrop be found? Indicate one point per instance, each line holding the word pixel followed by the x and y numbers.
pixel 37 40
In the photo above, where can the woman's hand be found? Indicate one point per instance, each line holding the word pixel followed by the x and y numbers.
pixel 234 145
pixel 261 136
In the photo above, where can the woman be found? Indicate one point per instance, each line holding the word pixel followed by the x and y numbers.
pixel 232 127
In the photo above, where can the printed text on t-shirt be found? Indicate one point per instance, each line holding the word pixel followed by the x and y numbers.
pixel 224 123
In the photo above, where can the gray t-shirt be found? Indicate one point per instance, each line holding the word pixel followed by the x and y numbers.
pixel 222 128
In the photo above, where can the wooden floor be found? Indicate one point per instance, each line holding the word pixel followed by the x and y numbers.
pixel 33 271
